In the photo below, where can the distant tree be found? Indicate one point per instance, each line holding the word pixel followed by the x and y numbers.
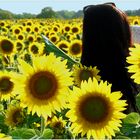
pixel 78 14
pixel 47 12
pixel 4 14
pixel 66 14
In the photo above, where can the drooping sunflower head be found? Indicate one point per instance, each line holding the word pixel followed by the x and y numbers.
pixel 36 48
pixel 82 73
pixel 7 46
pixel 58 126
pixel 94 110
pixel 75 49
pixel 19 45
pixel 45 84
pixel 14 116
pixel 63 45
pixel 134 60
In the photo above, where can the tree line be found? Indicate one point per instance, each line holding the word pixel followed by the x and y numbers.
pixel 48 12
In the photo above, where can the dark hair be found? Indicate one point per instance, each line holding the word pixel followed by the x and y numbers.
pixel 106 42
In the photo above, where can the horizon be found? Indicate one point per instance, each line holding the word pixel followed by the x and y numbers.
pixel 35 6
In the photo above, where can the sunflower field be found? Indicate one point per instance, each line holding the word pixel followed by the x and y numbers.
pixel 45 93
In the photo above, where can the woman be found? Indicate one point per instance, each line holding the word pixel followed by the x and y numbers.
pixel 106 42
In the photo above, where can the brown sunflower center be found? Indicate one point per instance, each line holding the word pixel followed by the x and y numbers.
pixel 19 46
pixel 76 49
pixel 6 85
pixel 30 38
pixel 136 22
pixel 28 29
pixel 94 109
pixel 85 74
pixel 17 116
pixel 7 46
pixel 53 39
pixel 17 31
pixel 67 29
pixel 74 29
pixel 34 49
pixel 55 29
pixel 36 29
pixel 58 124
pixel 20 37
pixel 43 85
pixel 63 46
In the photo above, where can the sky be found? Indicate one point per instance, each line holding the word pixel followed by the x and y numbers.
pixel 35 6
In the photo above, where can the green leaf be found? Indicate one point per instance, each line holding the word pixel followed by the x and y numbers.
pixel 50 47
pixel 127 129
pixel 122 137
pixel 23 133
pixel 132 118
pixel 47 134
pixel 138 101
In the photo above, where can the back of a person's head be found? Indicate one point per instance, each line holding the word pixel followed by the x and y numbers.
pixel 106 42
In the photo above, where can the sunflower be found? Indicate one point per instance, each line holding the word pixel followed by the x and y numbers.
pixel 16 30
pixel 36 29
pixel 14 116
pixel 57 123
pixel 75 49
pixel 75 29
pixel 27 29
pixel 67 28
pixel 35 48
pixel 7 86
pixel 7 46
pixel 19 45
pixel 54 38
pixel 30 38
pixel 95 112
pixel 55 28
pixel 63 45
pixel 21 37
pixel 38 38
pixel 134 60
pixel 82 73
pixel 44 85
pixel 136 21
pixel 58 126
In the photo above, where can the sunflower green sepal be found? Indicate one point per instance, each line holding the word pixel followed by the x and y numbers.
pixel 50 47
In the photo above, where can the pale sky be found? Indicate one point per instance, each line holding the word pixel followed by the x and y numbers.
pixel 35 6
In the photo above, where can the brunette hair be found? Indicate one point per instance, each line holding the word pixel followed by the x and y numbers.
pixel 106 41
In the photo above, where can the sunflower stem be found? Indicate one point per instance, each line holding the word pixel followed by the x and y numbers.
pixel 42 124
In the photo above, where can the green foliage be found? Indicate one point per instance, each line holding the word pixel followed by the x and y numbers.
pixel 50 47
pixel 23 133
pixel 47 134
pixel 4 14
pixel 130 127
pixel 132 118
pixel 47 12
pixel 138 101
pixel 3 128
